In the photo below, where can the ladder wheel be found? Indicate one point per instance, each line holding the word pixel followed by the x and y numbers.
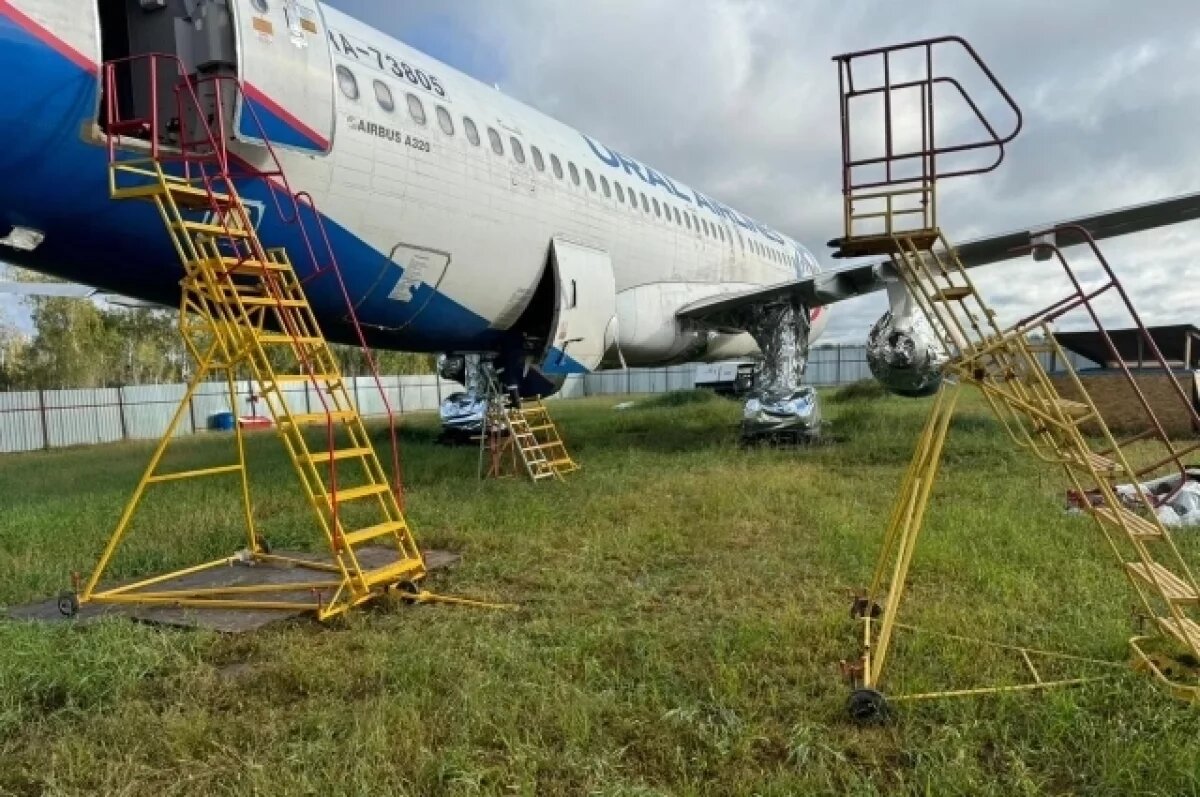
pixel 68 604
pixel 867 706
pixel 858 609
pixel 262 544
pixel 409 588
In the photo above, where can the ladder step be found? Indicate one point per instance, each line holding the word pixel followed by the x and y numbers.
pixel 355 493
pixel 1096 462
pixel 1174 588
pixel 210 229
pixel 1071 409
pixel 952 294
pixel 1185 630
pixel 192 196
pixel 374 532
pixel 544 427
pixel 274 339
pixel 304 379
pixel 1136 525
pixel 267 301
pixel 313 418
pixel 403 570
pixel 249 267
pixel 322 457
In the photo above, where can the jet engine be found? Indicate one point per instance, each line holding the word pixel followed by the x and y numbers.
pixel 905 356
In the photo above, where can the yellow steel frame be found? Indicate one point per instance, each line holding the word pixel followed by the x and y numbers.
pixel 1003 364
pixel 225 327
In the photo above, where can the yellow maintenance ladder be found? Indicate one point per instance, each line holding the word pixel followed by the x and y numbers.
pixel 521 429
pixel 893 213
pixel 244 310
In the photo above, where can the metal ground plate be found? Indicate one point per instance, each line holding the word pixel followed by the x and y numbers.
pixel 231 621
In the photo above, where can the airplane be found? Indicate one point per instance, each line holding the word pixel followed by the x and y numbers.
pixel 465 222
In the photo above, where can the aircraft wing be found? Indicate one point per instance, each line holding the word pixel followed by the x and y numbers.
pixel 834 286
pixel 68 290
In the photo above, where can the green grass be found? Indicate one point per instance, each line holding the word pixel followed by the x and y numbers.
pixel 683 607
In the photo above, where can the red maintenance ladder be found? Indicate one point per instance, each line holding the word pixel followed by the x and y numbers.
pixel 890 208
pixel 244 311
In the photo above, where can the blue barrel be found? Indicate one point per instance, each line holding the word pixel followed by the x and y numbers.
pixel 221 422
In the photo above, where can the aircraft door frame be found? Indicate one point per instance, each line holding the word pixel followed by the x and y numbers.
pixel 585 308
pixel 285 62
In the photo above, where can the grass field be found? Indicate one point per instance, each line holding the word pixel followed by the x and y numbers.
pixel 683 607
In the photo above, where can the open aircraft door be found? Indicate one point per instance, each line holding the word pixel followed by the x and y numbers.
pixel 286 67
pixel 585 321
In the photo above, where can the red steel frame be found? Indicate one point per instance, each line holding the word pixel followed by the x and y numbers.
pixel 929 151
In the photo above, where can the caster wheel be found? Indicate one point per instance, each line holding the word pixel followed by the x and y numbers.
pixel 867 706
pixel 261 542
pixel 409 588
pixel 68 604
pixel 858 609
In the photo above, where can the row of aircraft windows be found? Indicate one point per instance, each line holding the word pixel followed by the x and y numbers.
pixel 416 109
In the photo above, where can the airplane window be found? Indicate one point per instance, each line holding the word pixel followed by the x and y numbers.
pixel 721 233
pixel 678 220
pixel 705 222
pixel 539 162
pixel 347 82
pixel 620 192
pixel 645 204
pixel 472 130
pixel 591 181
pixel 416 109
pixel 657 209
pixel 604 186
pixel 494 138
pixel 384 95
pixel 687 220
pixel 557 166
pixel 444 121
pixel 633 198
pixel 517 150
pixel 574 173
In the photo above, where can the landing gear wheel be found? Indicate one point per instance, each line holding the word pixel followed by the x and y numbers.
pixel 867 706
pixel 68 604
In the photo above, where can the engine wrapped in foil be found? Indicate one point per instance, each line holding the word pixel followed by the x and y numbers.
pixel 905 357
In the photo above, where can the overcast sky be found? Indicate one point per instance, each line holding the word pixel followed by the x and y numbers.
pixel 739 99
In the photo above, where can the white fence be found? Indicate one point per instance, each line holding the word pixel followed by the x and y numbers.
pixel 35 420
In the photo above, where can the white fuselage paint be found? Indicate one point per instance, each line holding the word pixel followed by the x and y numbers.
pixel 494 215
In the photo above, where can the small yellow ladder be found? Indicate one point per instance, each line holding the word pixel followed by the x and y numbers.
pixel 523 429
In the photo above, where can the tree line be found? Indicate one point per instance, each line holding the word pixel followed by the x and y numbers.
pixel 76 343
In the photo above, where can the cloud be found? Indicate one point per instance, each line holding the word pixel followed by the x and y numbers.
pixel 739 99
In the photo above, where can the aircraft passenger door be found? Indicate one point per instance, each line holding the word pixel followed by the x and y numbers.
pixel 286 67
pixel 586 307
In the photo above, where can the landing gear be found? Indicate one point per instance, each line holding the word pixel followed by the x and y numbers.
pixel 781 409
pixel 867 706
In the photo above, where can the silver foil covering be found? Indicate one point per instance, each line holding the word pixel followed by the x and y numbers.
pixel 463 413
pixel 780 406
pixel 905 356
